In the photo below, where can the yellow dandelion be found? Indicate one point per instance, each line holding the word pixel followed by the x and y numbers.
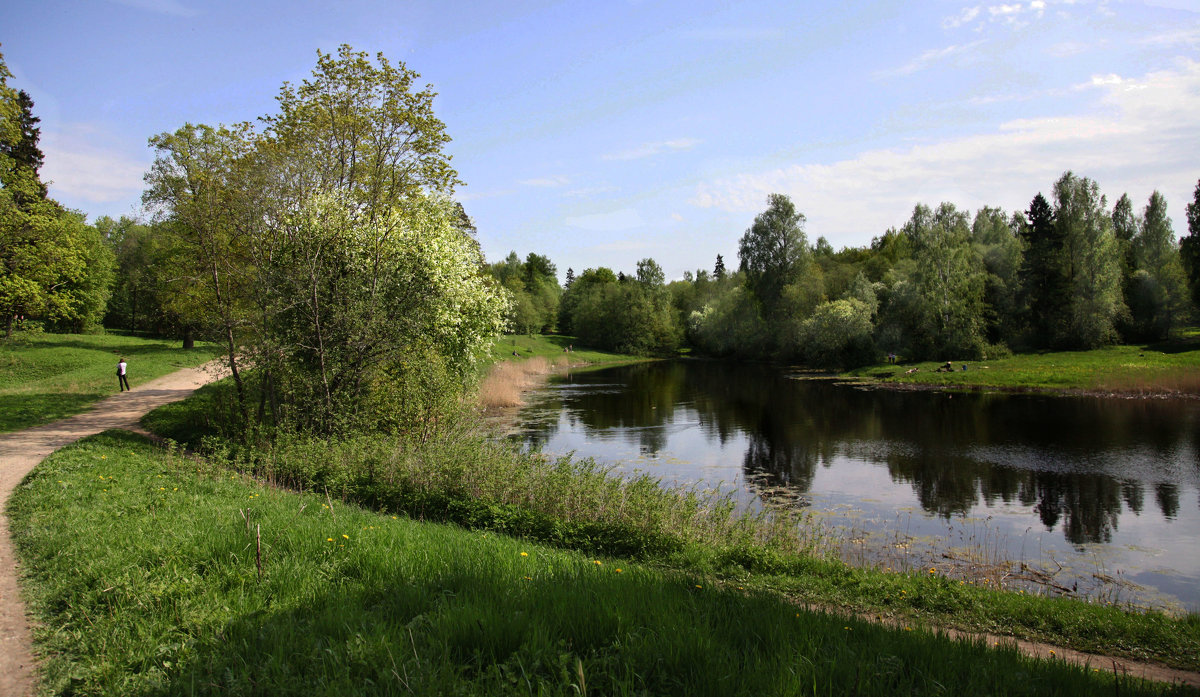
pixel 524 554
pixel 393 517
pixel 908 629
pixel 528 578
pixel 596 562
pixel 847 629
pixel 699 586
pixel 346 536
pixel 329 539
pixel 933 571
pixel 618 571
pixel 103 457
pixel 1051 652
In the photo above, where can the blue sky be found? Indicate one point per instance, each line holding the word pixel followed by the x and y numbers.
pixel 600 133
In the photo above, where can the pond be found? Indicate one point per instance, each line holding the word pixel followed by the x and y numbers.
pixel 1099 497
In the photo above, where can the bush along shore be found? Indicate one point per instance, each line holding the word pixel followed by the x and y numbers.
pixel 154 573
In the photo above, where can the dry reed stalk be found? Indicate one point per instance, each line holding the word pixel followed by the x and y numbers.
pixel 507 380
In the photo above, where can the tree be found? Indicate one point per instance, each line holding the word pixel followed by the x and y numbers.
pixel 327 250
pixel 1044 280
pixel 995 241
pixel 949 283
pixel 570 278
pixel 650 274
pixel 1189 247
pixel 1158 293
pixel 1093 261
pixel 53 266
pixel 773 252
pixel 719 268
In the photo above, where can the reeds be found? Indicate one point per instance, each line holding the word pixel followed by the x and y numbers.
pixel 508 380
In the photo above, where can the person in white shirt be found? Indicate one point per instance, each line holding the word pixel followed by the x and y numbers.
pixel 121 380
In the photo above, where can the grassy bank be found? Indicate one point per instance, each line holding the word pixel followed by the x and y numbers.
pixel 1168 368
pixel 45 377
pixel 466 479
pixel 551 347
pixel 154 574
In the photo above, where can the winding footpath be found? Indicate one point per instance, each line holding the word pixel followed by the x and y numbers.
pixel 20 452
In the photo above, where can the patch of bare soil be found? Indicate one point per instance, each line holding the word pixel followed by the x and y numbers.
pixel 20 452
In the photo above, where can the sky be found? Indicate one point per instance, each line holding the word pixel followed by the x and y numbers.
pixel 602 133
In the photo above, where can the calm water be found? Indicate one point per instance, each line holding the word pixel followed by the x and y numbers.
pixel 1082 487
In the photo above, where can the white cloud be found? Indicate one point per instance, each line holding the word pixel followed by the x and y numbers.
pixel 927 59
pixel 967 15
pixel 1142 136
pixel 85 165
pixel 591 191
pixel 652 149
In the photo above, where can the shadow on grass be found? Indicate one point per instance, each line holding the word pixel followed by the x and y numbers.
pixel 461 632
pixel 20 411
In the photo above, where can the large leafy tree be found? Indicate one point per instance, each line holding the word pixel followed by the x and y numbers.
pixel 1157 295
pixel 774 253
pixel 1044 279
pixel 1093 261
pixel 327 250
pixel 949 282
pixel 53 266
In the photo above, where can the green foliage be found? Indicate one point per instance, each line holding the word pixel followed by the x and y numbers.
pixel 1157 291
pixel 1092 262
pixel 838 335
pixel 1189 248
pixel 948 284
pixel 632 317
pixel 327 253
pixel 53 267
pixel 773 253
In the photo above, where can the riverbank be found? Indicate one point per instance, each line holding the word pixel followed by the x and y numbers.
pixel 524 362
pixel 1170 370
pixel 153 572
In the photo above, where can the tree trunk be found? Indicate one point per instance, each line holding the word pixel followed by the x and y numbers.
pixel 189 341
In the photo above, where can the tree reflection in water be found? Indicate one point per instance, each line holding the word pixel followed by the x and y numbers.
pixel 1079 463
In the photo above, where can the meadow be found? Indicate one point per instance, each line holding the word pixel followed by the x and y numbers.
pixel 46 377
pixel 154 573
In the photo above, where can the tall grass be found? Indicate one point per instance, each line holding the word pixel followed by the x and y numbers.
pixel 154 574
pixel 506 381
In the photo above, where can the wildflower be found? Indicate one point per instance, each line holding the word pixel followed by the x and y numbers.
pixel 346 536
pixel 524 554
pixel 618 571
pixel 596 562
pixel 1051 652
pixel 528 578
pixel 103 457
pixel 329 539
pixel 847 629
pixel 933 571
pixel 699 586
pixel 908 629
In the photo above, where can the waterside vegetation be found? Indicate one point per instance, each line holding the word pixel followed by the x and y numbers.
pixel 158 573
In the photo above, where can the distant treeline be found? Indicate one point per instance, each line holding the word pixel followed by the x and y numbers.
pixel 1065 273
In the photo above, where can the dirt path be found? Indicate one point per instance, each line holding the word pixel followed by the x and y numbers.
pixel 19 453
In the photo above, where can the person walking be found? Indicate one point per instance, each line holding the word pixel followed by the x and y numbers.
pixel 121 380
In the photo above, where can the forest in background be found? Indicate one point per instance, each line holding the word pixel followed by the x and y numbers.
pixel 1067 273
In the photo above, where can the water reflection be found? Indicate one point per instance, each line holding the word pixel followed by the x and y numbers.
pixel 1078 463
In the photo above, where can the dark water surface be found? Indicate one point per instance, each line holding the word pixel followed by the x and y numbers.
pixel 1089 488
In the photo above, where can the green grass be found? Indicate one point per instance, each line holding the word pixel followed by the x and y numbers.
pixel 45 377
pixel 466 479
pixel 143 571
pixel 550 346
pixel 1172 367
